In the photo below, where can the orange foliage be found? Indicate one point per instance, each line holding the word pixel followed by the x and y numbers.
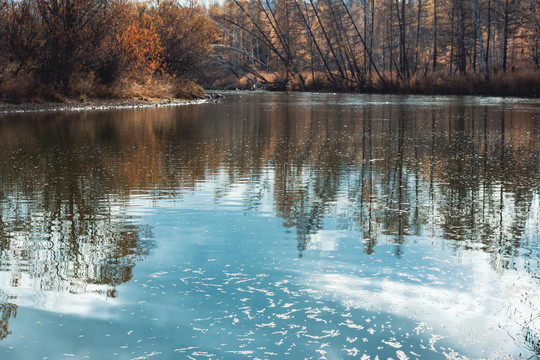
pixel 139 46
pixel 102 43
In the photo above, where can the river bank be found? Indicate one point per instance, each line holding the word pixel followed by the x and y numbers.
pixel 9 106
pixel 510 84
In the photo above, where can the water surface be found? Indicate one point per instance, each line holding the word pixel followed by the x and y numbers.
pixel 273 226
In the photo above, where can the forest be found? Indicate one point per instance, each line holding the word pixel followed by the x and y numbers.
pixel 424 46
pixel 165 48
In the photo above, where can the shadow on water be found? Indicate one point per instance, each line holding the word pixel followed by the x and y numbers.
pixel 462 171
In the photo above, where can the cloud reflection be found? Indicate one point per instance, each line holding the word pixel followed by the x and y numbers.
pixel 484 313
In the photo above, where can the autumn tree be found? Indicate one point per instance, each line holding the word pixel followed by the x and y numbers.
pixel 69 30
pixel 186 34
pixel 531 12
pixel 132 49
pixel 20 34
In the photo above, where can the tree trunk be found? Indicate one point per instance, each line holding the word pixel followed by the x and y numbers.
pixel 505 33
pixel 434 35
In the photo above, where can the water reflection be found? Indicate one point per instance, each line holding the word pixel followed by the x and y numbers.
pixel 63 224
pixel 460 170
pixel 7 311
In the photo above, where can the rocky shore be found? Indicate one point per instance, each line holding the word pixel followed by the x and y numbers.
pixel 9 106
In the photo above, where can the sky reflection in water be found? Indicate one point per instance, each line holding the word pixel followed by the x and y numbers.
pixel 273 226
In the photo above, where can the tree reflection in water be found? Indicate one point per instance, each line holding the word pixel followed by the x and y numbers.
pixel 7 311
pixel 63 222
pixel 461 171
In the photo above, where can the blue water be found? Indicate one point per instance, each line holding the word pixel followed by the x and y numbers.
pixel 273 225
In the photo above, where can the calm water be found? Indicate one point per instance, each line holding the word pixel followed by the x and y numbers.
pixel 273 226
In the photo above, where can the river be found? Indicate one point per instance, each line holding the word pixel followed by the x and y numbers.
pixel 273 226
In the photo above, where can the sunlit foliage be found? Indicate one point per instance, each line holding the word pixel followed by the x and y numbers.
pixel 70 47
pixel 381 44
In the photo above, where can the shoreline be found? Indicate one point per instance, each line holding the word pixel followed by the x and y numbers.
pixel 525 84
pixel 8 107
pixel 414 92
pixel 21 107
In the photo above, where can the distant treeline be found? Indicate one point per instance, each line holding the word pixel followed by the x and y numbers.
pixel 102 48
pixel 449 46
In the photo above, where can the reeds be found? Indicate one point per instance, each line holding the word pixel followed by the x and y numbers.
pixel 520 84
pixel 525 83
pixel 24 88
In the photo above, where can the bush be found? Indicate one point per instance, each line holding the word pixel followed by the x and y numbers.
pixel 100 48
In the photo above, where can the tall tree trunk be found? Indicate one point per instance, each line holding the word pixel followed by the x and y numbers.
pixel 370 57
pixel 372 23
pixel 366 21
pixel 486 55
pixel 452 35
pixel 323 58
pixel 462 50
pixel 418 21
pixel 505 33
pixel 402 22
pixel 478 31
pixel 328 42
pixel 434 35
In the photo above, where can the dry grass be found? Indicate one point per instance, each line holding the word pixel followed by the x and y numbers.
pixel 524 83
pixel 162 87
pixel 129 88
pixel 224 82
pixel 24 88
pixel 188 89
pixel 157 87
pixel 83 85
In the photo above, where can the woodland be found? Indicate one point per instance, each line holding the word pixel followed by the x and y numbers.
pixel 169 49
pixel 101 48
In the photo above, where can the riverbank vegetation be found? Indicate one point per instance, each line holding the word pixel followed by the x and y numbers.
pixel 52 49
pixel 487 47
